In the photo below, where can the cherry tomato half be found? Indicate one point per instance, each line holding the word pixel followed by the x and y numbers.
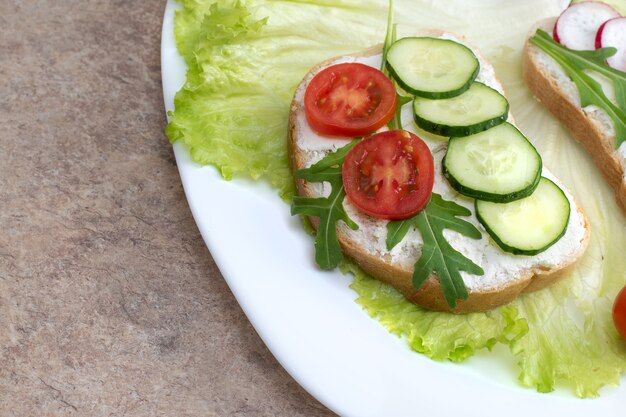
pixel 389 175
pixel 349 100
pixel 619 312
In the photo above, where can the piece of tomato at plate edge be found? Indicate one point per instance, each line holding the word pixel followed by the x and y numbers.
pixel 619 312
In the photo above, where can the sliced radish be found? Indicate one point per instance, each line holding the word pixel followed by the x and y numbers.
pixel 613 33
pixel 577 26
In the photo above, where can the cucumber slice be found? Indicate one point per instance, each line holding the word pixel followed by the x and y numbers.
pixel 530 225
pixel 477 109
pixel 432 67
pixel 498 165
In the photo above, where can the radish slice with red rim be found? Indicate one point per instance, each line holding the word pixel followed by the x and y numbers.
pixel 577 26
pixel 613 34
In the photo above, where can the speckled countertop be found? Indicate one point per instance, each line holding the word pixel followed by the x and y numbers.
pixel 110 304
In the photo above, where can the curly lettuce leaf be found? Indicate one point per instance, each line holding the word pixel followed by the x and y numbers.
pixel 245 60
pixel 571 342
pixel 440 336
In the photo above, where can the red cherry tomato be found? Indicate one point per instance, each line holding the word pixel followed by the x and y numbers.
pixel 619 312
pixel 349 100
pixel 389 175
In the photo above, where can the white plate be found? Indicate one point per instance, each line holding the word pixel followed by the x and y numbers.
pixel 310 322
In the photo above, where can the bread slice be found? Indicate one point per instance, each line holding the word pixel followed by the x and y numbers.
pixel 506 275
pixel 590 126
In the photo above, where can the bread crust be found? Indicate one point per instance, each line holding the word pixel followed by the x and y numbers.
pixel 429 295
pixel 595 140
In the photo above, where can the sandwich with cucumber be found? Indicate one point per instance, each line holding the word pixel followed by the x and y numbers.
pixel 408 161
pixel 576 66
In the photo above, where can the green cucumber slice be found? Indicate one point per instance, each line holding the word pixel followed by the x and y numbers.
pixel 432 67
pixel 498 165
pixel 530 225
pixel 477 109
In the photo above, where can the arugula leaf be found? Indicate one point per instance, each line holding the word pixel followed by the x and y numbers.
pixel 574 63
pixel 396 120
pixel 329 209
pixel 333 159
pixel 437 254
pixel 390 38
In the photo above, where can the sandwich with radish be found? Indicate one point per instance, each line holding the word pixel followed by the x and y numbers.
pixel 408 161
pixel 576 66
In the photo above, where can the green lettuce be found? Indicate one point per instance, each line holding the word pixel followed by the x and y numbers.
pixel 440 336
pixel 245 59
pixel 232 111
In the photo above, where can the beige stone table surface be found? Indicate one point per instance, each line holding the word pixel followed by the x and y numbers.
pixel 110 304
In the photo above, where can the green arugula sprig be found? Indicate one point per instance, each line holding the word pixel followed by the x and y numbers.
pixel 390 38
pixel 574 63
pixel 438 255
pixel 329 209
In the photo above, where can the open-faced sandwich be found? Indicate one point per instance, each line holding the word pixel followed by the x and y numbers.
pixel 576 66
pixel 407 160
